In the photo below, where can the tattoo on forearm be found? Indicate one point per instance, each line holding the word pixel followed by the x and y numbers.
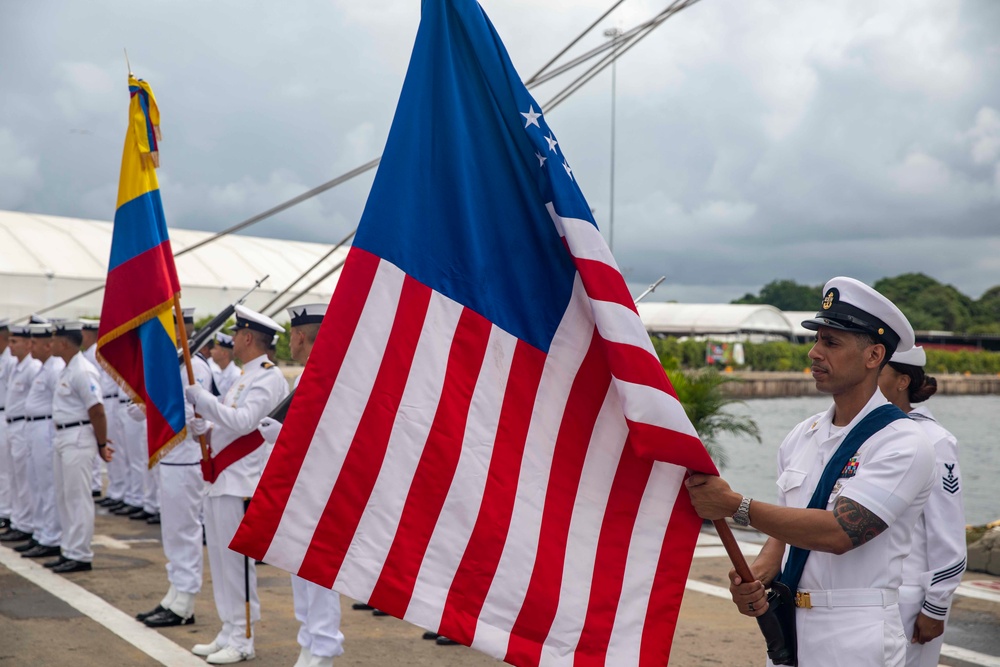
pixel 860 524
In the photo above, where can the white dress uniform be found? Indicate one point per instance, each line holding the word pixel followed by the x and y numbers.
pixel 22 504
pixel 78 390
pixel 39 432
pixel 226 377
pixel 260 389
pixel 113 411
pixel 7 364
pixel 934 568
pixel 135 447
pixel 96 484
pixel 182 490
pixel 891 476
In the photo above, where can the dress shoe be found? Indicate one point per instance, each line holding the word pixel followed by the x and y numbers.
pixel 14 535
pixel 95 494
pixel 141 515
pixel 27 546
pixel 205 650
pixel 152 612
pixel 109 502
pixel 41 552
pixel 56 563
pixel 4 523
pixel 430 635
pixel 379 612
pixel 229 656
pixel 125 510
pixel 73 566
pixel 444 641
pixel 167 619
pixel 361 606
pixel 153 519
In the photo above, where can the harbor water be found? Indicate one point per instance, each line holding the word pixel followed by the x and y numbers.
pixel 975 421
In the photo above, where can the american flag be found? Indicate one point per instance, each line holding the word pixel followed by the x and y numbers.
pixel 484 442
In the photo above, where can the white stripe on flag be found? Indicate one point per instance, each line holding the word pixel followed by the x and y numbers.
pixel 584 239
pixel 651 406
pixel 417 407
pixel 461 507
pixel 337 425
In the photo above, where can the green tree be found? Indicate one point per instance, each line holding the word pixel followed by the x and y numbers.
pixel 785 295
pixel 700 392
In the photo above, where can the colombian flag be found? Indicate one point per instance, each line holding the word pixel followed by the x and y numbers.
pixel 137 345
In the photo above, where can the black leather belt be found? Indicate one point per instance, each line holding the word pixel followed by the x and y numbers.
pixel 60 427
pixel 110 396
pixel 123 401
pixel 11 420
pixel 37 419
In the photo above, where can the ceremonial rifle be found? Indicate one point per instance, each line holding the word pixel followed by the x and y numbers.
pixel 201 338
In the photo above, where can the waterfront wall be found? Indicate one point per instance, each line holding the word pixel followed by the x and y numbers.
pixel 757 384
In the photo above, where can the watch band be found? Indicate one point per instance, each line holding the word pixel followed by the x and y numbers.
pixel 742 516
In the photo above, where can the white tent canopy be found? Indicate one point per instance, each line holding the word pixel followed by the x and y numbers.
pixel 46 259
pixel 714 319
pixel 795 318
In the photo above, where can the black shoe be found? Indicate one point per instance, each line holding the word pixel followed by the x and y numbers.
pixel 56 563
pixel 444 641
pixel 430 635
pixel 4 523
pixel 379 612
pixel 167 619
pixel 153 519
pixel 361 606
pixel 73 566
pixel 109 503
pixel 14 535
pixel 141 515
pixel 95 494
pixel 147 614
pixel 27 546
pixel 125 509
pixel 40 551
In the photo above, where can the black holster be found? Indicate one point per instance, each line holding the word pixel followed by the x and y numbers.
pixel 778 625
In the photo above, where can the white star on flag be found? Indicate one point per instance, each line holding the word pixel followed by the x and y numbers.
pixel 531 118
pixel 569 171
pixel 552 142
pixel 541 159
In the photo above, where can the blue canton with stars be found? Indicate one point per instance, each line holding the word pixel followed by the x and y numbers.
pixel 459 200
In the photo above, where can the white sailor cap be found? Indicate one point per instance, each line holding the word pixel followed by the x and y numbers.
pixel 224 340
pixel 312 313
pixel 37 319
pixel 89 325
pixel 188 314
pixel 21 330
pixel 915 356
pixel 249 319
pixel 851 305
pixel 67 326
pixel 4 323
pixel 40 330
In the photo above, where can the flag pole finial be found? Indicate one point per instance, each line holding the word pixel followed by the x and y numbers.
pixel 127 64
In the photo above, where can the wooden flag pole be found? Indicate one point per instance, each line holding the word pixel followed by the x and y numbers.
pixel 733 550
pixel 182 331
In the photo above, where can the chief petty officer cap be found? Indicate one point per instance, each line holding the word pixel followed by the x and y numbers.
pixel 249 319
pixel 850 305
pixel 915 356
pixel 224 340
pixel 312 313
pixel 69 326
pixel 37 319
pixel 89 325
pixel 40 330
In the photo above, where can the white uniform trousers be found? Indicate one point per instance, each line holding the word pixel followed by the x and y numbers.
pixel 222 517
pixel 182 490
pixel 911 600
pixel 850 637
pixel 118 468
pixel 46 516
pixel 75 451
pixel 318 610
pixel 134 434
pixel 151 490
pixel 6 470
pixel 95 475
pixel 22 489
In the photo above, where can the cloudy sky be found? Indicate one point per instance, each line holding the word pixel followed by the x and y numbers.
pixel 757 139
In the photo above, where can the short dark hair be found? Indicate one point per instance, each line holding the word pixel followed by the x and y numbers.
pixel 865 339
pixel 74 337
pixel 260 338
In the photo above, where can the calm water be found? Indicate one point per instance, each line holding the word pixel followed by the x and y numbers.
pixel 975 421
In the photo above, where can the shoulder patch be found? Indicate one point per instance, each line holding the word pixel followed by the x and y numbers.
pixel 267 364
pixel 950 481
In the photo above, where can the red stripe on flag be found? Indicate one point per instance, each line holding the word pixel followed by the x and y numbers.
pixel 662 444
pixel 349 498
pixel 620 515
pixel 631 363
pixel 436 468
pixel 482 554
pixel 668 584
pixel 261 521
pixel 590 388
pixel 603 282
pixel 147 280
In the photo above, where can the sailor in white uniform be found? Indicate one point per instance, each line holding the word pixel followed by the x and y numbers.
pixel 89 331
pixel 7 363
pixel 317 608
pixel 39 433
pixel 934 568
pixel 840 550
pixel 22 524
pixel 226 372
pixel 81 434
pixel 259 390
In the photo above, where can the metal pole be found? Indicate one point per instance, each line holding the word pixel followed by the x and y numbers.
pixel 614 34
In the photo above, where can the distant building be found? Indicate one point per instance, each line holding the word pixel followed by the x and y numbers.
pixel 716 321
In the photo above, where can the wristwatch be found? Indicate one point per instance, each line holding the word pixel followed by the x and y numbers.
pixel 742 516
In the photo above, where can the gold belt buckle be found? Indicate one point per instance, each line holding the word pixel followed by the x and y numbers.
pixel 803 600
